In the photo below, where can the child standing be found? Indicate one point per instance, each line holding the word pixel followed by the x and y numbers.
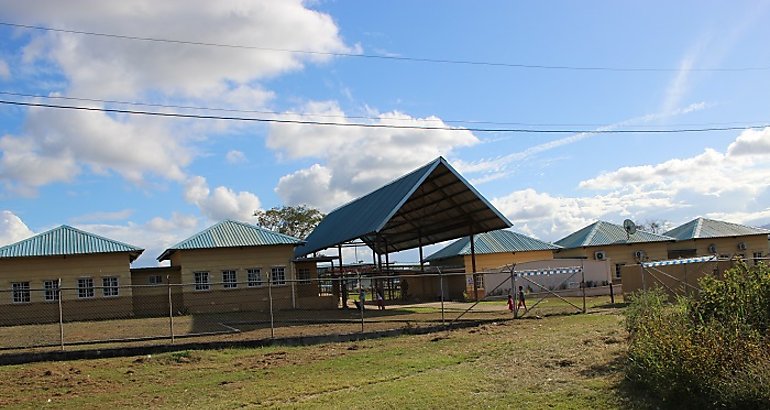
pixel 510 302
pixel 522 303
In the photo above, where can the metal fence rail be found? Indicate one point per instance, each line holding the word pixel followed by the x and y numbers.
pixel 90 316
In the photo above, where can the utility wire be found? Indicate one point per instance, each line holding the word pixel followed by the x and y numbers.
pixel 384 57
pixel 746 124
pixel 367 125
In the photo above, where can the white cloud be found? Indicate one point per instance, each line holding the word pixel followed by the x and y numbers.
pixel 101 66
pixel 57 144
pixel 677 189
pixel 553 217
pixel 12 228
pixel 355 160
pixel 222 203
pixel 154 236
pixel 496 168
pixel 751 143
pixel 235 157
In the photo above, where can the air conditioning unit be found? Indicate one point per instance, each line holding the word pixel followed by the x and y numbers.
pixel 742 246
pixel 600 255
pixel 640 255
pixel 712 248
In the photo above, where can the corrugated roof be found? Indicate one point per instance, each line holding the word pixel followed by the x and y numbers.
pixel 711 228
pixel 605 233
pixel 231 234
pixel 424 206
pixel 66 240
pixel 500 241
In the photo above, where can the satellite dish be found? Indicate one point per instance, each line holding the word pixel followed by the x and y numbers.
pixel 629 226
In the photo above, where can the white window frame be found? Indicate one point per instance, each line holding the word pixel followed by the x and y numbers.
pixel 86 288
pixel 155 280
pixel 229 279
pixel 254 277
pixel 202 281
pixel 110 286
pixel 21 292
pixel 303 276
pixel 51 290
pixel 277 279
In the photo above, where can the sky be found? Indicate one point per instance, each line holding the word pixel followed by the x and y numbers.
pixel 460 66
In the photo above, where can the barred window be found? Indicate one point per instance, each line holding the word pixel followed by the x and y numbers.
pixel 51 288
pixel 229 279
pixel 155 279
pixel 110 286
pixel 278 275
pixel 254 277
pixel 303 274
pixel 20 292
pixel 85 288
pixel 202 281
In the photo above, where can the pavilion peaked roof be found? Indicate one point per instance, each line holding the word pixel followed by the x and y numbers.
pixel 602 233
pixel 711 228
pixel 66 240
pixel 431 204
pixel 231 234
pixel 499 241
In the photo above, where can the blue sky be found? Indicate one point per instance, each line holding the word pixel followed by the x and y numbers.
pixel 151 181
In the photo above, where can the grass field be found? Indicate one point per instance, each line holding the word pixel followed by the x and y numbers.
pixel 568 361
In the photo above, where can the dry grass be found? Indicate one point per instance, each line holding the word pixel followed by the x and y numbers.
pixel 570 361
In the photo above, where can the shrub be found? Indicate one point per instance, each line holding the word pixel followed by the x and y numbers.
pixel 711 349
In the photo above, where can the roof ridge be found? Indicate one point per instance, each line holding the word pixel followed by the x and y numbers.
pixel 698 227
pixel 592 233
pixel 439 159
pixel 71 228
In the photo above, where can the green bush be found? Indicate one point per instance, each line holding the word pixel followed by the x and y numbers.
pixel 712 349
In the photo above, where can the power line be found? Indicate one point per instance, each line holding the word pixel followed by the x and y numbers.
pixel 745 124
pixel 366 125
pixel 384 57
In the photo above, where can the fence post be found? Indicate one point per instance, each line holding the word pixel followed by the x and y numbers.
pixel 270 297
pixel 513 291
pixel 583 284
pixel 61 314
pixel 441 287
pixel 361 299
pixel 170 309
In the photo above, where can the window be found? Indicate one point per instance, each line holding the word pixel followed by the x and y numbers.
pixel 20 292
pixel 757 257
pixel 618 270
pixel 479 281
pixel 303 274
pixel 85 288
pixel 51 288
pixel 278 275
pixel 229 279
pixel 155 279
pixel 254 277
pixel 110 286
pixel 202 281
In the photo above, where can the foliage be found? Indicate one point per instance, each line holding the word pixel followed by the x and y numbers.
pixel 653 226
pixel 296 221
pixel 710 349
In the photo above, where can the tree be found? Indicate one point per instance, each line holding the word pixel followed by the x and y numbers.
pixel 654 226
pixel 296 221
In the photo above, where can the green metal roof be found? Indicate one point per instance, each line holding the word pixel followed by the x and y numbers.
pixel 431 204
pixel 500 241
pixel 66 240
pixel 231 234
pixel 605 233
pixel 710 228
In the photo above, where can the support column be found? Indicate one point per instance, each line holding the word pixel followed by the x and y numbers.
pixel 473 269
pixel 419 244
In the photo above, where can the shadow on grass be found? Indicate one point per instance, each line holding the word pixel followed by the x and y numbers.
pixel 612 305
pixel 633 395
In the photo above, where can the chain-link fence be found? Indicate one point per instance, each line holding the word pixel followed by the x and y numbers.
pixel 102 315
